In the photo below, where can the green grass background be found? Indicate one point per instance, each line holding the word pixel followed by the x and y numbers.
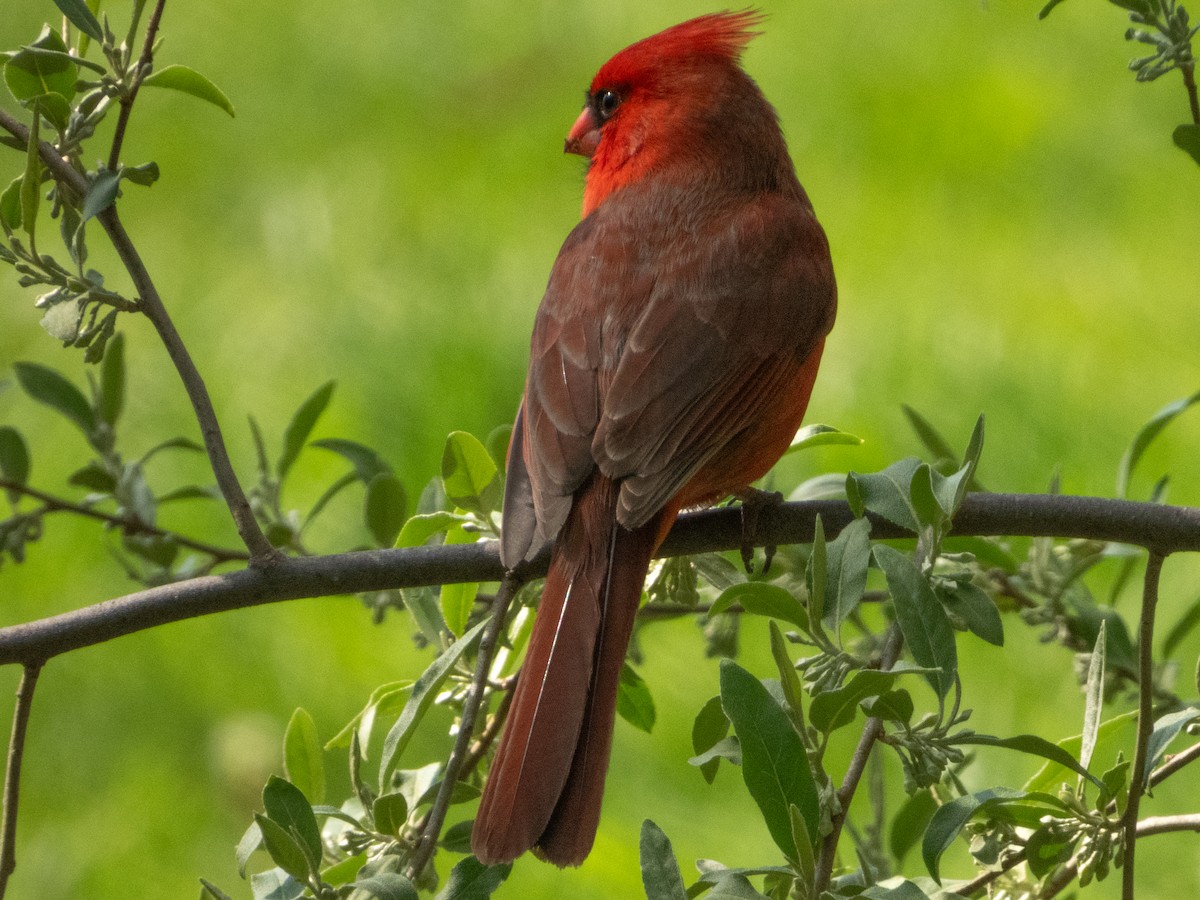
pixel 1013 233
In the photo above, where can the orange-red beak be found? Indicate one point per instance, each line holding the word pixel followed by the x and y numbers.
pixel 584 135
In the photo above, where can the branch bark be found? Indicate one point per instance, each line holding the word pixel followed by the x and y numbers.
pixel 12 773
pixel 1137 781
pixel 1165 528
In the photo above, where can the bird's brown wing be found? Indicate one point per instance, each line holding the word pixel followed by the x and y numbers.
pixel 655 348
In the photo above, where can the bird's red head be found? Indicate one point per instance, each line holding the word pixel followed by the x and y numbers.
pixel 647 104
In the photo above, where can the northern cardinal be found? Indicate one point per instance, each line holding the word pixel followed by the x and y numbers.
pixel 672 359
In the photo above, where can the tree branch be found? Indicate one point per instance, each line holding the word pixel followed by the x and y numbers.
pixel 145 61
pixel 432 829
pixel 51 504
pixel 12 773
pixel 1170 528
pixel 854 772
pixel 1145 719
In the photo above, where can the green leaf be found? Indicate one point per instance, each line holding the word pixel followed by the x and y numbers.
pixel 831 710
pixel 734 886
pixel 1165 731
pixel 390 812
pixel 954 487
pixel 1187 139
pixel 367 463
pixel 285 851
pixel 31 181
pixel 887 493
pixel 1028 743
pixel 384 508
pixel 10 205
pixel 458 599
pixel 816 574
pixel 774 764
pixel 102 193
pixel 1145 437
pixel 1045 10
pixel 249 843
pixel 296 435
pixel 847 558
pixel 419 529
pixel 729 748
pixel 471 479
pixel 951 817
pixel 49 387
pixel 14 455
pixel 806 862
pixel 789 680
pixel 345 871
pixel 933 440
pixel 921 496
pixel 287 807
pixel 910 823
pixel 384 886
pixel 816 435
pixel 709 728
pixel 112 381
pixel 1046 849
pixel 81 17
pixel 497 443
pixel 1093 699
pixel 905 890
pixel 144 175
pixel 635 704
pixel 892 706
pixel 660 871
pixel 43 67
pixel 764 599
pixel 303 762
pixel 976 608
pixel 1114 734
pixel 472 880
pixel 275 884
pixel 1181 629
pixel 921 617
pixel 423 693
pixel 189 81
pixel 211 890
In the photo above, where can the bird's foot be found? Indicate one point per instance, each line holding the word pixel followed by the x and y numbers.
pixel 754 502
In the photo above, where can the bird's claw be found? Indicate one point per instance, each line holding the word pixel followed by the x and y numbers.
pixel 754 502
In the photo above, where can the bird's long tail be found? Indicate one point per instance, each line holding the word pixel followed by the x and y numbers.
pixel 547 780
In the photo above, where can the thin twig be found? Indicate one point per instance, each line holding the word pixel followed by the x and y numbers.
pixel 12 773
pixel 261 550
pixel 145 61
pixel 1174 763
pixel 423 851
pixel 52 504
pixel 1145 720
pixel 491 730
pixel 854 772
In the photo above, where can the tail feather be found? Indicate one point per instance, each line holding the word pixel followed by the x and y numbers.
pixel 568 837
pixel 547 779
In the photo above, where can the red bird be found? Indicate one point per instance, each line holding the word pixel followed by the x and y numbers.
pixel 671 363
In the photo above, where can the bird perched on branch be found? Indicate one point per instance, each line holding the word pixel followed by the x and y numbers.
pixel 672 359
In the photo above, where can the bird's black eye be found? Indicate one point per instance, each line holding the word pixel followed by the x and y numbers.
pixel 606 103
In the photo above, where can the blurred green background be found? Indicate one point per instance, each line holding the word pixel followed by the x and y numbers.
pixel 1013 233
